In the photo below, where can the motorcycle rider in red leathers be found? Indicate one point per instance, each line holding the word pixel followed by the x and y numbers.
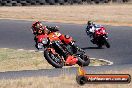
pixel 38 29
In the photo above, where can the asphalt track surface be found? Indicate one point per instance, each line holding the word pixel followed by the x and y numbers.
pixel 17 35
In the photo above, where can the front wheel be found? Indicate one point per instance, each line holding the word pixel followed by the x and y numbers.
pixel 53 59
pixel 107 43
pixel 83 60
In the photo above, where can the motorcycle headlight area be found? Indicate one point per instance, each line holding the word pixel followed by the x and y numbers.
pixel 103 31
pixel 67 36
pixel 40 45
pixel 45 41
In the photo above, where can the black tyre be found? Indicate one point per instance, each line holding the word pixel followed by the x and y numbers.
pixel 38 2
pixel 89 1
pixel 18 1
pixel 14 3
pixel 103 1
pixel 80 2
pixel 107 43
pixel 42 2
pixel 24 3
pixel 51 2
pixel 70 2
pixel 9 1
pixel 97 1
pixel 0 2
pixel 4 3
pixel 28 1
pixel 83 60
pixel 19 4
pixel 54 60
pixel 81 80
pixel 61 2
pixel 33 2
pixel 8 4
pixel 106 1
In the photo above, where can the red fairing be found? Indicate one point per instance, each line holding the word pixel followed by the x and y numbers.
pixel 40 37
pixel 71 60
pixel 101 31
pixel 66 40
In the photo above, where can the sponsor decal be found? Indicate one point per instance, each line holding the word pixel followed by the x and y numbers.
pixel 83 78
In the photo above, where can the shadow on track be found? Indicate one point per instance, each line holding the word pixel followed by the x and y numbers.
pixel 85 48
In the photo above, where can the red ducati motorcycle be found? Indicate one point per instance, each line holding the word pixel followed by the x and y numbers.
pixel 59 53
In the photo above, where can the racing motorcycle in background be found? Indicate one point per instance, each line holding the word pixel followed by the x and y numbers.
pixel 100 37
pixel 59 53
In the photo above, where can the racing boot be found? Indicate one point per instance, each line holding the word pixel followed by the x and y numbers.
pixel 36 45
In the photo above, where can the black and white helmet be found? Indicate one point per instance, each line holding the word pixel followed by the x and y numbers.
pixel 90 23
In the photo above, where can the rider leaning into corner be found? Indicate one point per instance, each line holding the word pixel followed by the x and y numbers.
pixel 38 29
pixel 90 30
pixel 37 26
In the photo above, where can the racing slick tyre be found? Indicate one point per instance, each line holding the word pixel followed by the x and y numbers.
pixel 53 59
pixel 107 44
pixel 81 80
pixel 83 60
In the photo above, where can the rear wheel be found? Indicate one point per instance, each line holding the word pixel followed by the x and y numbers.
pixel 54 59
pixel 83 60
